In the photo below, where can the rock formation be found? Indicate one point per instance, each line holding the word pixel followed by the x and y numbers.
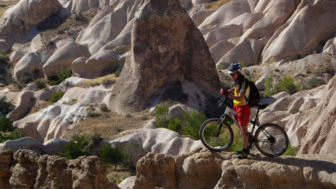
pixel 26 169
pixel 18 24
pixel 168 56
pixel 218 170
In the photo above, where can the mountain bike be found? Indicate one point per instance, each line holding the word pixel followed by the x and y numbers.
pixel 216 134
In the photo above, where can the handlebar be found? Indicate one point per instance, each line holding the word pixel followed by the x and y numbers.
pixel 221 102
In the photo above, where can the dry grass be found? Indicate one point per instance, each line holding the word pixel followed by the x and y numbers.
pixel 109 125
pixel 117 176
pixel 97 81
pixel 216 4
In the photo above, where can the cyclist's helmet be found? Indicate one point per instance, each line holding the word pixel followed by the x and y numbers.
pixel 234 67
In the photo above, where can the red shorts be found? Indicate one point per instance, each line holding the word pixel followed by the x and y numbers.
pixel 244 113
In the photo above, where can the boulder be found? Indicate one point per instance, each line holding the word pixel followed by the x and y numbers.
pixel 163 63
pixel 276 16
pixel 16 55
pixel 23 106
pixel 24 143
pixel 63 57
pixel 53 121
pixel 294 40
pixel 222 16
pixel 99 64
pixel 246 51
pixel 16 25
pixel 330 47
pixel 107 24
pixel 30 64
pixel 321 134
pixel 160 140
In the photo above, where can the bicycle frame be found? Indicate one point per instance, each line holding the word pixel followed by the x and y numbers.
pixel 230 112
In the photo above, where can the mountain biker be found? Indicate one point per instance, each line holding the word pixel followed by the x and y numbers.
pixel 241 106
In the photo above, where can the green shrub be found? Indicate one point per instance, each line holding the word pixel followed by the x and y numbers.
pixel 16 134
pixel 110 155
pixel 55 96
pixel 40 84
pixel 162 116
pixel 193 121
pixel 26 78
pixel 59 78
pixel 314 82
pixel 6 124
pixel 270 87
pixel 287 84
pixel 174 124
pixel 5 107
pixel 103 107
pixel 291 151
pixel 78 146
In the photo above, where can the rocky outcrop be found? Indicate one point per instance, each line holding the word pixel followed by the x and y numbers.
pixel 160 140
pixel 26 169
pixel 17 23
pixel 308 117
pixel 61 60
pixel 53 121
pixel 168 52
pixel 219 170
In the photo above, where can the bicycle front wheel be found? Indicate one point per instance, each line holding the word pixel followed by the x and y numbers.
pixel 216 136
pixel 271 140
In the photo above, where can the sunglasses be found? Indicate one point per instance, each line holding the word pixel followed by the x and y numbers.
pixel 233 73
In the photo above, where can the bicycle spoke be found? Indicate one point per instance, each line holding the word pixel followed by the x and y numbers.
pixel 215 136
pixel 271 140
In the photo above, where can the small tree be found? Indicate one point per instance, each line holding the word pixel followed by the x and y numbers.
pixel 79 146
pixel 111 155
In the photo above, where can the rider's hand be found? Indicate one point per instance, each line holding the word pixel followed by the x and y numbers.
pixel 224 92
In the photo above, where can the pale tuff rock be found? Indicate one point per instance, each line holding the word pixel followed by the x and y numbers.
pixel 18 21
pixel 158 140
pixel 22 108
pixel 97 65
pixel 168 51
pixel 307 116
pixel 53 121
pixel 31 64
pixel 53 146
pixel 63 57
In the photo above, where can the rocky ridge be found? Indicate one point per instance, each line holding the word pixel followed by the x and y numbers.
pixel 26 169
pixel 204 169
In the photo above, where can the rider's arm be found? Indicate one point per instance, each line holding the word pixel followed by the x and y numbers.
pixel 238 97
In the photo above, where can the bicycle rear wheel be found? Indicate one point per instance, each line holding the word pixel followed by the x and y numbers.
pixel 216 136
pixel 271 140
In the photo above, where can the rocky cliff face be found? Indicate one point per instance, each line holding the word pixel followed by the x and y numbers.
pixel 204 169
pixel 26 169
pixel 169 60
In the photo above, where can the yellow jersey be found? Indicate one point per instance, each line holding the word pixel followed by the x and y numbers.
pixel 244 90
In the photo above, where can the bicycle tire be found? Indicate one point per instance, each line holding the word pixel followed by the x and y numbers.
pixel 271 140
pixel 208 131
